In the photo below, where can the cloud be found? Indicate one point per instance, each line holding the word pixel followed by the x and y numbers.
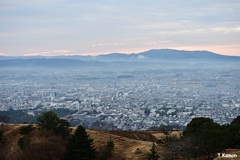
pixel 48 53
pixel 114 25
pixel 2 54
pixel 157 42
pixel 107 44
pixel 227 29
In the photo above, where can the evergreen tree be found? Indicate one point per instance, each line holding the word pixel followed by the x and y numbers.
pixel 80 146
pixel 153 155
pixel 1 135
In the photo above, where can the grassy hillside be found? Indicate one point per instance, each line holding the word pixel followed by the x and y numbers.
pixel 45 145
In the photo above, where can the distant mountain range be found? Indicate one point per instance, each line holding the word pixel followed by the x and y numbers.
pixel 156 55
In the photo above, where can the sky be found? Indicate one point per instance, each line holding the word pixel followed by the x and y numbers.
pixel 92 27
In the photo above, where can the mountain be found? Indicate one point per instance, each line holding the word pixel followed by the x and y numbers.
pixel 171 54
pixel 48 62
pixel 117 60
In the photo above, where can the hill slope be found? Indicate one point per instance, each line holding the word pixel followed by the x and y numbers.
pixel 44 144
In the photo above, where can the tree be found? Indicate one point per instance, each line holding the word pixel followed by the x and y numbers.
pixel 233 132
pixel 50 121
pixel 212 138
pixel 62 128
pixel 153 155
pixel 80 146
pixel 192 128
pixel 208 136
pixel 25 130
pixel 1 135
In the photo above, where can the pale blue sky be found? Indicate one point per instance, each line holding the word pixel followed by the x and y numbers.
pixel 71 27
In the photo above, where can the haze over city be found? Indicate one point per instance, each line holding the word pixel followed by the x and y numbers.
pixel 61 27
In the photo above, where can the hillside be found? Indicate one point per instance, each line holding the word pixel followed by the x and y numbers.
pixel 128 145
pixel 53 146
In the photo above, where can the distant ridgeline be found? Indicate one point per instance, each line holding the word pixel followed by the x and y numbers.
pixel 149 58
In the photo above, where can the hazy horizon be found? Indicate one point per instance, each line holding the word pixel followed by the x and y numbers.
pixel 61 27
pixel 104 53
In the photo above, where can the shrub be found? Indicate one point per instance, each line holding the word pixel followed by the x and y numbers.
pixel 23 141
pixel 153 155
pixel 25 130
pixel 107 150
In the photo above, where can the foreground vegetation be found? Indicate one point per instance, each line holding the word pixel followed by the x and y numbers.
pixel 202 139
pixel 52 138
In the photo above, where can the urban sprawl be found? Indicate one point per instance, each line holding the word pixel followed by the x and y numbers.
pixel 126 100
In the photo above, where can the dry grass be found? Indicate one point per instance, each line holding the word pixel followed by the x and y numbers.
pixel 44 144
pixel 160 134
pixel 124 148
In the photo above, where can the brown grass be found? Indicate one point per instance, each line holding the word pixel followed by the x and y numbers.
pixel 45 145
pixel 160 134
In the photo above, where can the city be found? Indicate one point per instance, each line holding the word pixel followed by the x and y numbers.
pixel 134 100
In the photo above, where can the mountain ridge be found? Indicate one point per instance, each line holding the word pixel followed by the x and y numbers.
pixel 153 53
pixel 118 60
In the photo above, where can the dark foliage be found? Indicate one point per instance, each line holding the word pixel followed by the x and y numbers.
pixel 16 117
pixel 153 155
pixel 167 127
pixel 234 131
pixel 1 135
pixel 4 119
pixel 25 130
pixel 50 121
pixel 204 138
pixel 80 146
pixel 107 150
pixel 23 141
pixel 62 112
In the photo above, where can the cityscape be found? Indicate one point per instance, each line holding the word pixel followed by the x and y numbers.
pixel 126 100
pixel 119 80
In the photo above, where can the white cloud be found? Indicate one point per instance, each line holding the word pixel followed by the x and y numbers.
pixel 226 29
pixel 48 53
pixel 2 54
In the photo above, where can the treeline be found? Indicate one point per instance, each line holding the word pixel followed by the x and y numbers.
pixel 21 116
pixel 202 139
